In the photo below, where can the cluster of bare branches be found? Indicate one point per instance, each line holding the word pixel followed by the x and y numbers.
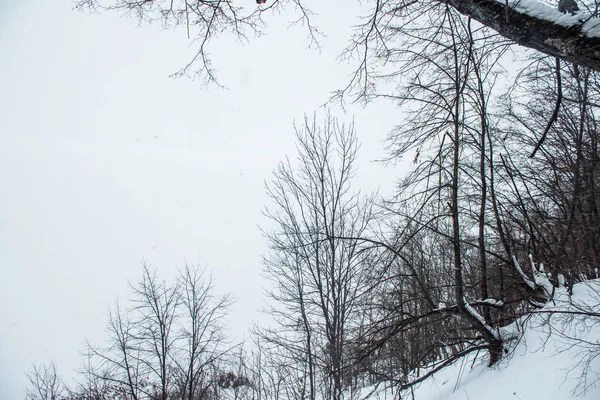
pixel 559 187
pixel 204 21
pixel 45 383
pixel 459 252
pixel 317 264
pixel 169 343
pixel 367 292
pixel 501 205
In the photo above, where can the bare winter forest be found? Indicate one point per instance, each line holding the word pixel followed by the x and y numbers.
pixel 497 208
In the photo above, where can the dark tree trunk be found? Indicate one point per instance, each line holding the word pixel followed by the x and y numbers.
pixel 567 43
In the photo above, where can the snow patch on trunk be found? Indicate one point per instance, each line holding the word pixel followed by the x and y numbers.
pixel 589 26
pixel 473 312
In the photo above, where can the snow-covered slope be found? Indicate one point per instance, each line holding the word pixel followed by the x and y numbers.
pixel 547 362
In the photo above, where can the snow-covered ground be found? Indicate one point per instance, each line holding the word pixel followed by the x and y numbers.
pixel 547 362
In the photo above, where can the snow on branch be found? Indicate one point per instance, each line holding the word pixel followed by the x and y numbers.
pixel 535 25
pixel 526 279
pixel 488 302
pixel 473 313
pixel 540 278
pixel 581 20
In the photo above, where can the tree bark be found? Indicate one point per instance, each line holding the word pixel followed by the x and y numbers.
pixel 567 43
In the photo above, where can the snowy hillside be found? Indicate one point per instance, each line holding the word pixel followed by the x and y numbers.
pixel 547 362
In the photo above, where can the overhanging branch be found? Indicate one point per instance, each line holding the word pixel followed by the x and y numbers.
pixel 569 43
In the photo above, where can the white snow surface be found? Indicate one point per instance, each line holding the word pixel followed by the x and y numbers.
pixel 542 364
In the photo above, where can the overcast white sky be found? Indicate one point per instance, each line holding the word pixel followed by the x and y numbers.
pixel 105 161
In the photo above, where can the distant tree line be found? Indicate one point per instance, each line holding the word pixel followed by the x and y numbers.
pixel 167 343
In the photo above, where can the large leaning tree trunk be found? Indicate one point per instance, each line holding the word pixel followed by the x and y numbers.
pixel 569 42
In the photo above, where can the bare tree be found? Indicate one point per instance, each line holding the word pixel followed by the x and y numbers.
pixel 318 277
pixel 156 310
pixel 119 362
pixel 268 376
pixel 93 384
pixel 201 333
pixel 450 246
pixel 45 382
pixel 169 342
